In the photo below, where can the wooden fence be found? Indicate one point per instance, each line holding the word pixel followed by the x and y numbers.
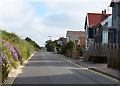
pixel 109 51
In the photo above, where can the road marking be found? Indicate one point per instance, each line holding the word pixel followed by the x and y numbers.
pixel 103 75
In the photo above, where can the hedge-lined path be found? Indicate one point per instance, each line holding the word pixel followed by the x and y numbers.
pixel 48 68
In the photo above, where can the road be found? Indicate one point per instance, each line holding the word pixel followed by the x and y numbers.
pixel 48 68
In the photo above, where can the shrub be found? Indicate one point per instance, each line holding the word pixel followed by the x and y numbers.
pixel 71 45
pixel 63 49
pixel 50 45
pixel 80 50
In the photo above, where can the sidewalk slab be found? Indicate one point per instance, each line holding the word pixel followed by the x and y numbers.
pixel 98 67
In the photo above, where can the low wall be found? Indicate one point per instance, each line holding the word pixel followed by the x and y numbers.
pixel 68 52
pixel 73 53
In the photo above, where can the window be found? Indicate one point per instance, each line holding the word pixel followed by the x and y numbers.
pixel 118 9
pixel 76 40
pixel 97 30
pixel 105 37
pixel 109 21
pixel 90 34
pixel 111 38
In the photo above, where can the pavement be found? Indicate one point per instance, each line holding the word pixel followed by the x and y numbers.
pixel 48 68
pixel 98 67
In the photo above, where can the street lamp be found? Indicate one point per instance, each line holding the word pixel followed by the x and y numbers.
pixel 50 37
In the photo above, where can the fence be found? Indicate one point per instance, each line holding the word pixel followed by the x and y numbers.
pixel 109 51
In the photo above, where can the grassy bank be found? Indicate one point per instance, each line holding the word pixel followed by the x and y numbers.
pixel 13 52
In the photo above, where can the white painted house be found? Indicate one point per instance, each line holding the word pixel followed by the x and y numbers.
pixel 76 36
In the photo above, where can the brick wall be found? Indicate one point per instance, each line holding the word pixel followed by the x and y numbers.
pixel 73 53
pixel 82 41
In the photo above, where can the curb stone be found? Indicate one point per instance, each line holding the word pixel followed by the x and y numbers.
pixel 96 70
pixel 91 68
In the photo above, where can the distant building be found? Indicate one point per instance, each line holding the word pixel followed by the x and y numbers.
pixel 76 36
pixel 61 41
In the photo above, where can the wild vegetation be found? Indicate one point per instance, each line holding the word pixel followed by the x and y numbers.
pixel 13 51
pixel 50 45
pixel 36 46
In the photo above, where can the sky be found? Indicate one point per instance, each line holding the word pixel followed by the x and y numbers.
pixel 39 19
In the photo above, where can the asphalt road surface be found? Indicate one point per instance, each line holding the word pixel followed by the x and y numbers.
pixel 48 68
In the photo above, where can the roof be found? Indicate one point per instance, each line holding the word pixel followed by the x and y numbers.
pixel 76 33
pixel 115 1
pixel 62 38
pixel 94 18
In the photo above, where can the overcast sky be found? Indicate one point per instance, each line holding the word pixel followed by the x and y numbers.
pixel 39 19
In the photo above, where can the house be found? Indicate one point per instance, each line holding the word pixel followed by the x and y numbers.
pixel 106 24
pixel 62 41
pixel 76 36
pixel 95 25
pixel 101 31
pixel 106 36
pixel 114 47
pixel 115 29
pixel 91 20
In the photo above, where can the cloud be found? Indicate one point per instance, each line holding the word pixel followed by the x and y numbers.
pixel 72 14
pixel 19 16
pixel 62 21
pixel 86 1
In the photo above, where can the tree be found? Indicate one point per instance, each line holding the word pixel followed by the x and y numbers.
pixel 36 46
pixel 50 45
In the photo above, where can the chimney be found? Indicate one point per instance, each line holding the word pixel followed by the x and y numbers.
pixel 103 16
pixel 104 11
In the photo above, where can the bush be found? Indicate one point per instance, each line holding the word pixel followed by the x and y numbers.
pixel 63 49
pixel 80 49
pixel 70 45
pixel 50 45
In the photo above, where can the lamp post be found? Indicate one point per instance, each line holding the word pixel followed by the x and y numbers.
pixel 50 37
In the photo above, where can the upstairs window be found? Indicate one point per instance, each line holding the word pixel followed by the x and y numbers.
pixel 118 10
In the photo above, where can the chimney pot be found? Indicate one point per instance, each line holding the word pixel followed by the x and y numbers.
pixel 102 12
pixel 105 11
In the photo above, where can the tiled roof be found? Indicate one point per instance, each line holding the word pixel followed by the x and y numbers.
pixel 94 18
pixel 115 0
pixel 76 33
